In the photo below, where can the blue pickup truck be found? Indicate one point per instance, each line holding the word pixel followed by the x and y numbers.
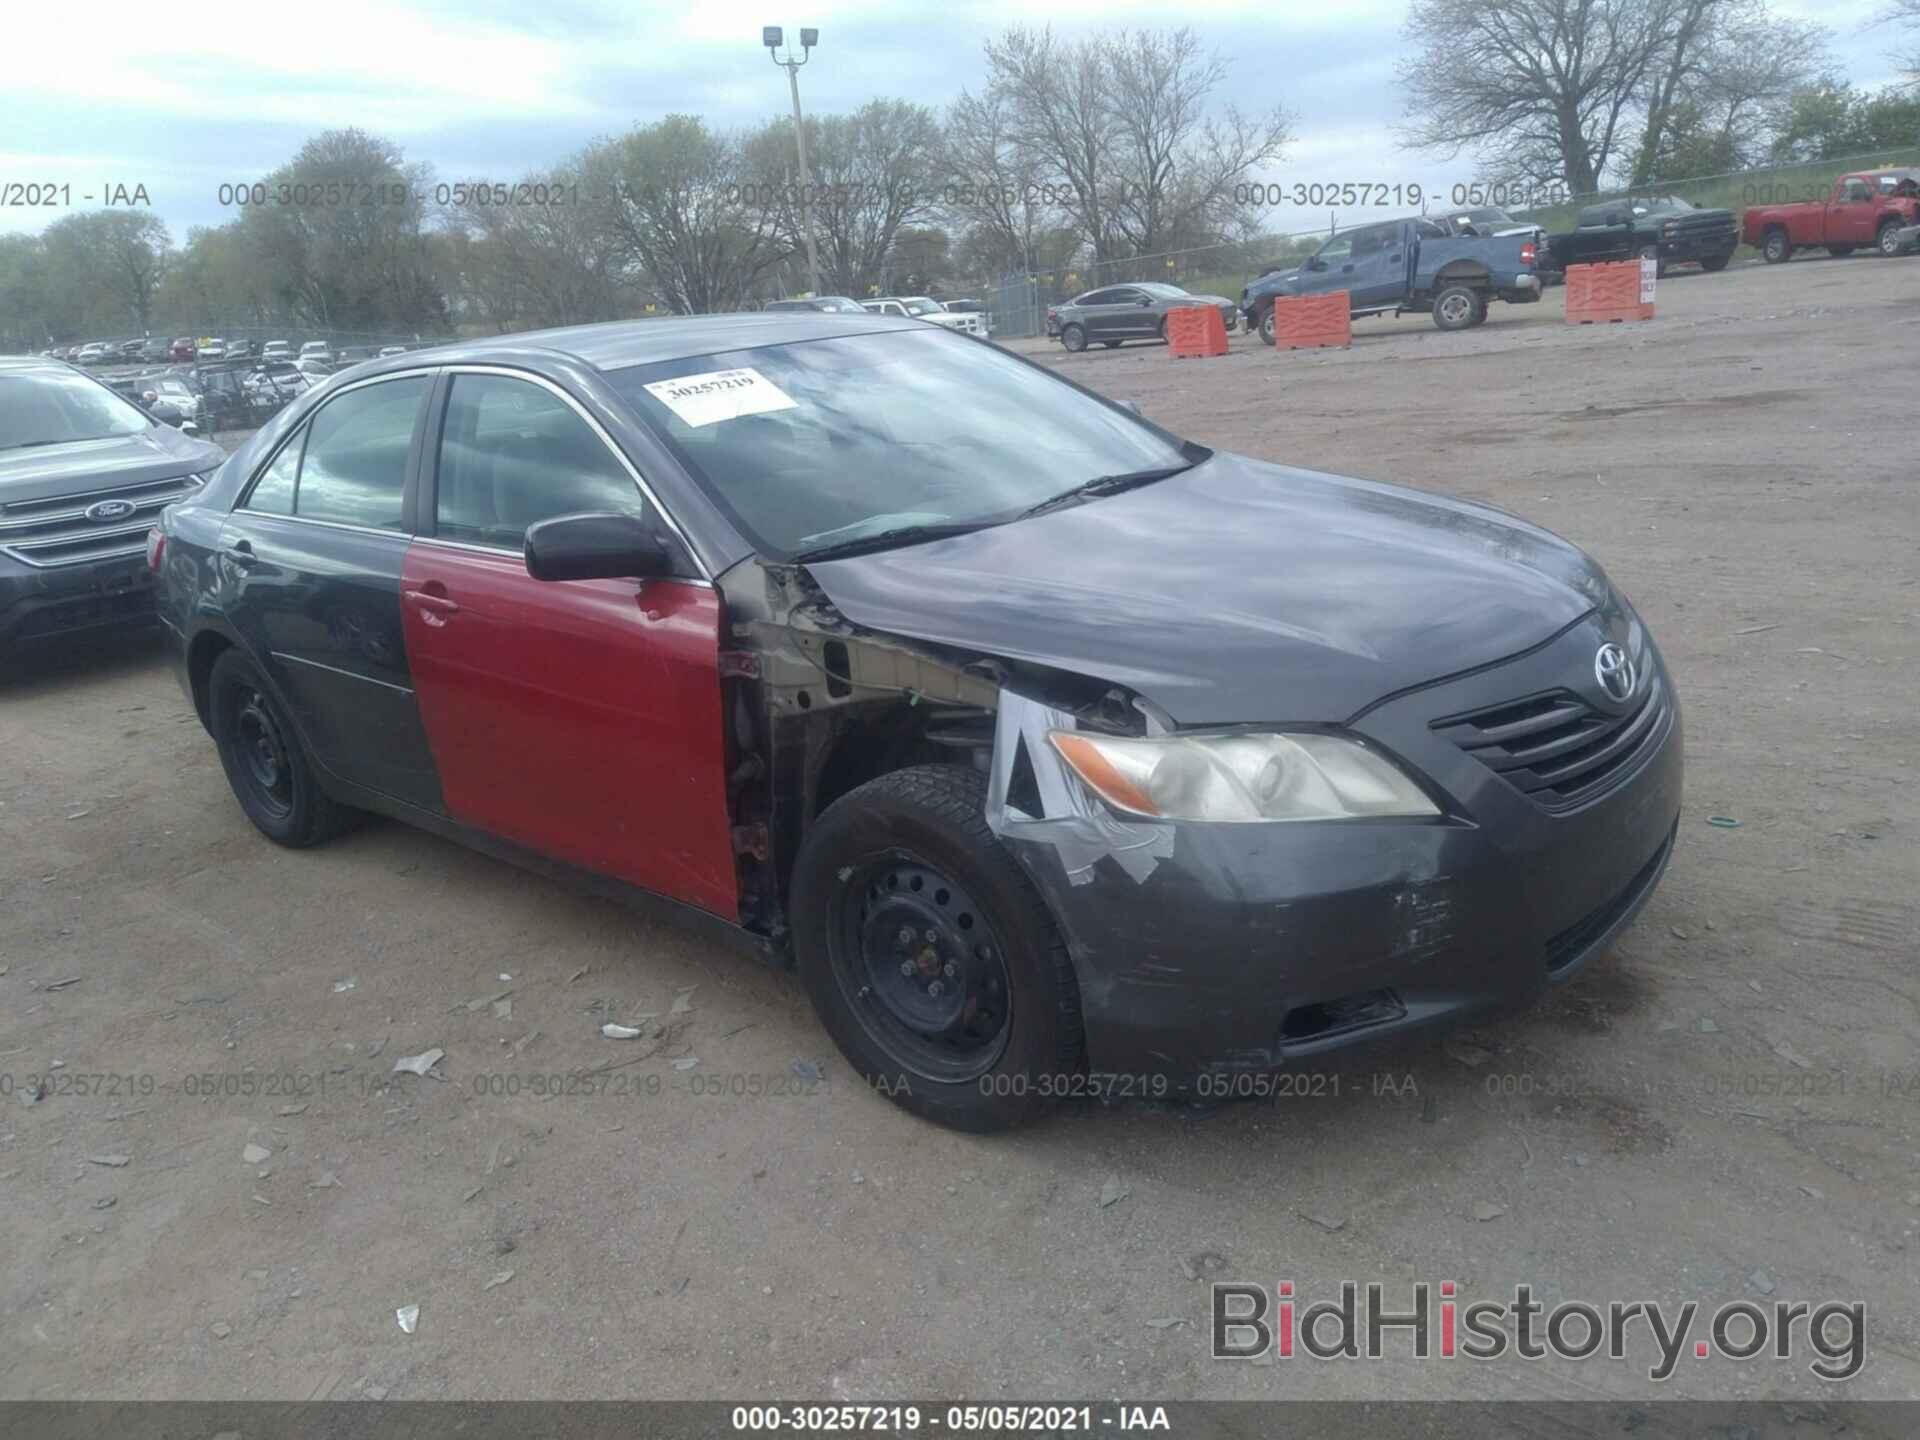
pixel 1406 265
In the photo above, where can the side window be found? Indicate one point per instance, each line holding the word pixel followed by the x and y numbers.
pixel 1857 190
pixel 355 464
pixel 1368 242
pixel 1336 250
pixel 513 453
pixel 272 493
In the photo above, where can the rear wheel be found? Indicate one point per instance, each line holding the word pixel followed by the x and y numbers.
pixel 1887 240
pixel 929 955
pixel 1458 307
pixel 266 765
pixel 1775 248
pixel 1713 264
pixel 1074 337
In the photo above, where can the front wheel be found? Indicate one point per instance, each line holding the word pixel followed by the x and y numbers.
pixel 1776 249
pixel 1887 241
pixel 1266 326
pixel 1714 264
pixel 1458 307
pixel 1074 337
pixel 929 955
pixel 266 765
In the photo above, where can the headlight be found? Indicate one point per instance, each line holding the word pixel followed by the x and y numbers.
pixel 1241 778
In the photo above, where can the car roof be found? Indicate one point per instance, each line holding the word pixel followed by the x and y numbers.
pixel 618 344
pixel 34 364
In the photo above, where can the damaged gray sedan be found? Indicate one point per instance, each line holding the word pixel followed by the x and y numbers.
pixel 1061 755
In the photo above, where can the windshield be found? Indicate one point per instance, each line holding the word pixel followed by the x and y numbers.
pixel 920 305
pixel 55 407
pixel 822 441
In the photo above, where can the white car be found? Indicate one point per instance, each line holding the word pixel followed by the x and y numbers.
pixel 314 368
pixel 922 307
pixel 211 350
pixel 276 350
pixel 177 394
pixel 91 354
pixel 386 350
pixel 317 350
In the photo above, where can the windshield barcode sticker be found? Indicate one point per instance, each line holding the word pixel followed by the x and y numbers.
pixel 720 395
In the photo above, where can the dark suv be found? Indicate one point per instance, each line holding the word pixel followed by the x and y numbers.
pixel 84 473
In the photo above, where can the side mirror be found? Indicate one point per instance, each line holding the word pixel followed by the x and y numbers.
pixel 1144 301
pixel 595 547
pixel 1316 263
pixel 165 414
pixel 189 428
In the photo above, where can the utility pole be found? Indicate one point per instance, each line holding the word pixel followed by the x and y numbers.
pixel 773 37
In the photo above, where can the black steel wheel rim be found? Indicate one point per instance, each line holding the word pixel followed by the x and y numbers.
pixel 921 967
pixel 264 762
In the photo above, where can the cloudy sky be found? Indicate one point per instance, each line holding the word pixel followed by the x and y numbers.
pixel 182 99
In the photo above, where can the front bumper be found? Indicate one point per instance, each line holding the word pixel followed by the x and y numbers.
pixel 42 603
pixel 1684 248
pixel 1249 948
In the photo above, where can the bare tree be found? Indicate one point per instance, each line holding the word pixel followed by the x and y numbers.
pixel 1178 159
pixel 1059 95
pixel 1905 13
pixel 673 208
pixel 1544 88
pixel 541 263
pixel 992 184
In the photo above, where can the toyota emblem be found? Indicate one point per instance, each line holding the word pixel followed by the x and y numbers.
pixel 1614 670
pixel 104 512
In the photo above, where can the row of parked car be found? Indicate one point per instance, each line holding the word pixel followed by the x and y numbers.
pixel 187 350
pixel 1454 266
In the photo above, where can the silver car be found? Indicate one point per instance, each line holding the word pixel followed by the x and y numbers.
pixel 1116 314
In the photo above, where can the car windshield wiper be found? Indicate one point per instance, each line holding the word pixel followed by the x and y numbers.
pixel 1107 485
pixel 886 540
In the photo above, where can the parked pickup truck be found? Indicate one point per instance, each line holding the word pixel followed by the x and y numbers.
pixel 1403 265
pixel 1662 228
pixel 1868 207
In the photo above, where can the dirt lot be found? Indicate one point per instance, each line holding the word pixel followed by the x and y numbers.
pixel 1723 1108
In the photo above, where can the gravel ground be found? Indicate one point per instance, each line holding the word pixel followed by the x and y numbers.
pixel 1723 1108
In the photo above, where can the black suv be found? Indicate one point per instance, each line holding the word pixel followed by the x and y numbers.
pixel 84 474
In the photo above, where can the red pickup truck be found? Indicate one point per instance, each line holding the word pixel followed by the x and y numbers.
pixel 1868 207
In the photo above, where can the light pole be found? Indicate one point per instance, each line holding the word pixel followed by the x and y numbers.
pixel 773 37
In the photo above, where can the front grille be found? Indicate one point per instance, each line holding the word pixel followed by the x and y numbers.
pixel 56 530
pixel 1557 748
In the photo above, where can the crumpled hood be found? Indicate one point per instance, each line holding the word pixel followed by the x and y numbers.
pixel 158 453
pixel 1237 592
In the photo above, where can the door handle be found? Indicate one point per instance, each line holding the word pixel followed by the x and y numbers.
pixel 434 603
pixel 1346 269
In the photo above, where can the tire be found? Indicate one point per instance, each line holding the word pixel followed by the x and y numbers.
pixel 1887 239
pixel 1775 248
pixel 1714 264
pixel 1111 344
pixel 1266 325
pixel 1457 306
pixel 1486 304
pixel 1840 251
pixel 1161 329
pixel 268 768
pixel 1074 337
pixel 912 850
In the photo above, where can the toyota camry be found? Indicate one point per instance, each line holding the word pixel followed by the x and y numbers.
pixel 1059 753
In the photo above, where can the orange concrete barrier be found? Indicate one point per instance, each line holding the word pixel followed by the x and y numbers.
pixel 1609 293
pixel 1195 332
pixel 1307 322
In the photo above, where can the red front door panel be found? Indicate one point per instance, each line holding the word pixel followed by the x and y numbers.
pixel 580 718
